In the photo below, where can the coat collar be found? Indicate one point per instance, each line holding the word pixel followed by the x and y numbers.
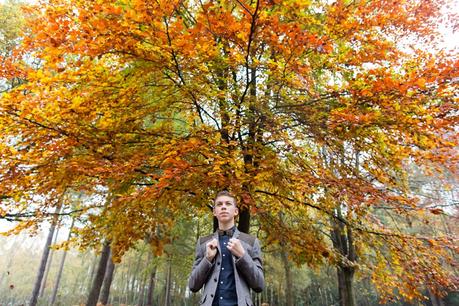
pixel 235 235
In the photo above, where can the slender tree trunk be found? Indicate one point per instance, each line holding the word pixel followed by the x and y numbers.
pixel 61 268
pixel 324 297
pixel 126 287
pixel 58 279
pixel 141 297
pixel 167 301
pixel 86 285
pixel 44 259
pixel 131 285
pixel 151 287
pixel 271 296
pixel 279 298
pixel 133 282
pixel 288 279
pixel 143 290
pixel 105 293
pixel 122 286
pixel 48 266
pixel 99 278
pixel 287 267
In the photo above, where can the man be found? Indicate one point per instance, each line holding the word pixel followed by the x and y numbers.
pixel 228 262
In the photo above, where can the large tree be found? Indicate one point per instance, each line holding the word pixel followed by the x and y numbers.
pixel 313 108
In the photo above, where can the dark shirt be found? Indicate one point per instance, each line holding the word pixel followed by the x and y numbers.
pixel 226 289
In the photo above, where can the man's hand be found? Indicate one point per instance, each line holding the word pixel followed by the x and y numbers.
pixel 235 247
pixel 211 249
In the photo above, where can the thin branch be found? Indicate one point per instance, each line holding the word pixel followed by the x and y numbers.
pixel 249 44
pixel 247 9
pixel 342 220
pixel 26 215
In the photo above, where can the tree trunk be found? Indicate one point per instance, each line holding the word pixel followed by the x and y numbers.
pixel 167 301
pixel 244 220
pixel 61 268
pixel 287 266
pixel 99 278
pixel 151 287
pixel 140 297
pixel 105 293
pixel 122 291
pixel 87 282
pixel 255 124
pixel 48 266
pixel 343 243
pixel 44 259
pixel 132 293
pixel 131 284
pixel 271 296
pixel 288 279
pixel 345 285
pixel 58 279
pixel 126 284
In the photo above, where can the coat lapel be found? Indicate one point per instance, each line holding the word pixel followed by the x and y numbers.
pixel 236 233
pixel 218 243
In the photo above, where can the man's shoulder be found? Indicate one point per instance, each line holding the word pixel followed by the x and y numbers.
pixel 247 238
pixel 205 239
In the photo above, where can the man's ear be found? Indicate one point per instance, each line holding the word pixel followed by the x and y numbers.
pixel 236 212
pixel 211 206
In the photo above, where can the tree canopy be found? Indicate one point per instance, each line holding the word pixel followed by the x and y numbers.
pixel 315 110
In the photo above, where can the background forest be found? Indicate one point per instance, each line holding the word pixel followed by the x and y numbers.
pixel 144 277
pixel 335 124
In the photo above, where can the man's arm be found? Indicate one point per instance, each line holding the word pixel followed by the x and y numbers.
pixel 251 268
pixel 202 268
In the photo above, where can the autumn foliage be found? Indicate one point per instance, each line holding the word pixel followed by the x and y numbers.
pixel 316 109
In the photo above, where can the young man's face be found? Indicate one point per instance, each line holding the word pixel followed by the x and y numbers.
pixel 225 209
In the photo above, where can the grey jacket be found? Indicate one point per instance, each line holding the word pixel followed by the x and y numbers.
pixel 248 270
